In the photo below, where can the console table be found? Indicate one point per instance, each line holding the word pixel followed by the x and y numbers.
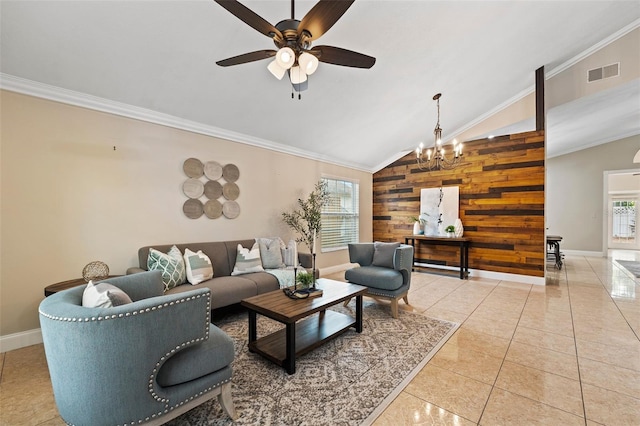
pixel 63 285
pixel 462 243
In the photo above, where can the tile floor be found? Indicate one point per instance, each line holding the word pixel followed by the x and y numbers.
pixel 561 354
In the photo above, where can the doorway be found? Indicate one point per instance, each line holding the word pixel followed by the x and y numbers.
pixel 623 208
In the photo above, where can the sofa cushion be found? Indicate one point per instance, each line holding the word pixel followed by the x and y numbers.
pixel 271 252
pixel 375 277
pixel 383 254
pixel 103 295
pixel 225 291
pixel 171 265
pixel 247 260
pixel 198 360
pixel 198 266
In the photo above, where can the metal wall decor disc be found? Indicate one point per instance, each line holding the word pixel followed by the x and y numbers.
pixel 213 209
pixel 193 188
pixel 213 170
pixel 213 189
pixel 192 208
pixel 193 168
pixel 231 209
pixel 230 191
pixel 230 173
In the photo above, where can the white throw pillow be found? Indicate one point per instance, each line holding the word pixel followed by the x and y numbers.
pixel 198 266
pixel 103 295
pixel 271 252
pixel 248 261
pixel 290 253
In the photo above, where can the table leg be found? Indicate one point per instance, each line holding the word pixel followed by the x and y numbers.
pixel 253 333
pixel 290 360
pixel 461 260
pixel 359 304
pixel 466 259
pixel 413 244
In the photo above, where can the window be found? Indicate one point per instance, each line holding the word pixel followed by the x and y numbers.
pixel 340 215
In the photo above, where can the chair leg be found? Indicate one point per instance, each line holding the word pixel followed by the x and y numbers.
pixel 226 401
pixel 394 308
pixel 346 302
pixel 406 298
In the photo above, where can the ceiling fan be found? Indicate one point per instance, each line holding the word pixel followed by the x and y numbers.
pixel 293 39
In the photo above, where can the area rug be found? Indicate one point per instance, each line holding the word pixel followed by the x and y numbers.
pixel 631 266
pixel 347 381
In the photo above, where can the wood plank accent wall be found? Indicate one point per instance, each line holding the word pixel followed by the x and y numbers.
pixel 501 183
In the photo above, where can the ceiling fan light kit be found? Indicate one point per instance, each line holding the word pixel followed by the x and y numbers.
pixel 293 39
pixel 436 158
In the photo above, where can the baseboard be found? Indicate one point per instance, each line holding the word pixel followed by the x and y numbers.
pixel 583 253
pixel 503 276
pixel 20 340
pixel 479 273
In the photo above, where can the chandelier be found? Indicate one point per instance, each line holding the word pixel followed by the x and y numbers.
pixel 435 157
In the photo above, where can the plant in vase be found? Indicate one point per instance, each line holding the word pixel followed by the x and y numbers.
pixel 418 225
pixel 307 220
pixel 450 230
pixel 304 280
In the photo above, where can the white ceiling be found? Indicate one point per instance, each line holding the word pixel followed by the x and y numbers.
pixel 160 56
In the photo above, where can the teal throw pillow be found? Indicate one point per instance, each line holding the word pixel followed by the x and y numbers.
pixel 171 265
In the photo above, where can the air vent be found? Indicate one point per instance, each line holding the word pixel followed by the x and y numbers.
pixel 607 71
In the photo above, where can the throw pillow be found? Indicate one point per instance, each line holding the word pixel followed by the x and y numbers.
pixel 290 253
pixel 383 254
pixel 271 252
pixel 103 295
pixel 198 266
pixel 170 264
pixel 247 260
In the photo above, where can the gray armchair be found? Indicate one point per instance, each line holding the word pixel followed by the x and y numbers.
pixel 144 362
pixel 385 268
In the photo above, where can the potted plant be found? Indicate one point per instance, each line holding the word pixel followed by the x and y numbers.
pixel 450 230
pixel 304 279
pixel 307 220
pixel 418 223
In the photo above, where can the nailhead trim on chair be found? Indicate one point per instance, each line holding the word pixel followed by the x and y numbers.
pixel 162 359
pixel 128 314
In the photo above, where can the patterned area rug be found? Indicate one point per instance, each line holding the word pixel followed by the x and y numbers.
pixel 631 266
pixel 347 381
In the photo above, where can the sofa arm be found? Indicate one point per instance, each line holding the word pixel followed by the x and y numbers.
pixel 305 260
pixel 403 261
pixel 134 270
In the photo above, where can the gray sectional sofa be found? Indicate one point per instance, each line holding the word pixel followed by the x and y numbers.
pixel 225 289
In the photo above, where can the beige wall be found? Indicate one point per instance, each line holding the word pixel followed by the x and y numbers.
pixel 574 205
pixel 69 198
pixel 572 83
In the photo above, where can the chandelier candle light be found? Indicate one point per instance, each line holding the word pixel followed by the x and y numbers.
pixel 436 158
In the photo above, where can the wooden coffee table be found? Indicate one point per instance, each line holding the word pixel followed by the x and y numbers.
pixel 304 331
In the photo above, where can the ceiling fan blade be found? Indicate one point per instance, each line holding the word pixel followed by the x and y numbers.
pixel 322 16
pixel 344 57
pixel 247 57
pixel 250 18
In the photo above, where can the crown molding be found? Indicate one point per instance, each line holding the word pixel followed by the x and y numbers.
pixel 57 94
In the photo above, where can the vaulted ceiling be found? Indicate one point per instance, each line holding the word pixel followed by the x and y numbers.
pixel 160 56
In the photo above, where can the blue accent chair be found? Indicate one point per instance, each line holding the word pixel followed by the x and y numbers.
pixel 384 269
pixel 144 362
